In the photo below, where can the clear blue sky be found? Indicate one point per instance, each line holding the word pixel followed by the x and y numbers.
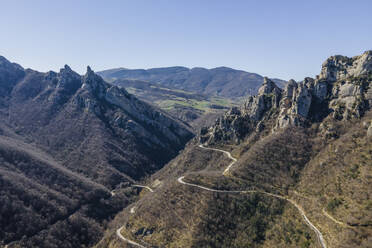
pixel 284 39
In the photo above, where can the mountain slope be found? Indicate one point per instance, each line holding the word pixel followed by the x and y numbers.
pixel 36 189
pixel 73 117
pixel 221 81
pixel 66 141
pixel 309 143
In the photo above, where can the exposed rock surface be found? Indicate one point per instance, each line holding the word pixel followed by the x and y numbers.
pixel 72 117
pixel 341 67
pixel 369 131
pixel 342 90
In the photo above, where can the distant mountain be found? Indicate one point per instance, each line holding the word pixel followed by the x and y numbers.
pixel 220 81
pixel 66 141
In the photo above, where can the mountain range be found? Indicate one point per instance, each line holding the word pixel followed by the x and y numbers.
pixel 220 81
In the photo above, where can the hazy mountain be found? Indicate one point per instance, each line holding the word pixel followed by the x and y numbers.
pixel 220 81
pixel 306 147
pixel 66 141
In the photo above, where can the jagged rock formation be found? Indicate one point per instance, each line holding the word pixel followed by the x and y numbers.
pixel 142 112
pixel 66 141
pixel 65 113
pixel 238 122
pixel 342 90
pixel 341 67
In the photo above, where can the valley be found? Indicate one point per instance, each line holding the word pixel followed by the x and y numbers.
pixel 197 96
pixel 254 177
pixel 259 174
pixel 195 109
pixel 185 124
pixel 181 181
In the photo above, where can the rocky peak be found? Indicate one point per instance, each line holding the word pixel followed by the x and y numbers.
pixel 267 98
pixel 67 72
pixel 289 88
pixel 68 80
pixel 237 122
pixel 268 87
pixel 67 68
pixel 89 70
pixel 340 67
pixel 94 83
pixel 91 76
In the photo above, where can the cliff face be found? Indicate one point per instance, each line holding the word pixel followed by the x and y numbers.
pixel 341 91
pixel 341 67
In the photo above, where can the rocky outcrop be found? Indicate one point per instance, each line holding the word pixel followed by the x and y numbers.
pixel 141 112
pixel 343 90
pixel 65 84
pixel 238 122
pixel 340 67
pixel 268 97
pixel 369 131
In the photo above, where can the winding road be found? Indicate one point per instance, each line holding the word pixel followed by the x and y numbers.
pixel 336 221
pixel 127 240
pixel 142 186
pixel 225 152
pixel 181 181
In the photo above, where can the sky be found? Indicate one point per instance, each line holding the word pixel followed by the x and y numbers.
pixel 282 39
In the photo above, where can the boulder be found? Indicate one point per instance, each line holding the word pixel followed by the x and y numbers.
pixel 369 131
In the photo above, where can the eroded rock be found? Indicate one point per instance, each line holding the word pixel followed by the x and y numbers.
pixel 343 90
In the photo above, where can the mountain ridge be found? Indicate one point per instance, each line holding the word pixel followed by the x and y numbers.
pixel 67 141
pixel 219 81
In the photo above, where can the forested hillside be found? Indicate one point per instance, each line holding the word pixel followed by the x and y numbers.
pixel 71 146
